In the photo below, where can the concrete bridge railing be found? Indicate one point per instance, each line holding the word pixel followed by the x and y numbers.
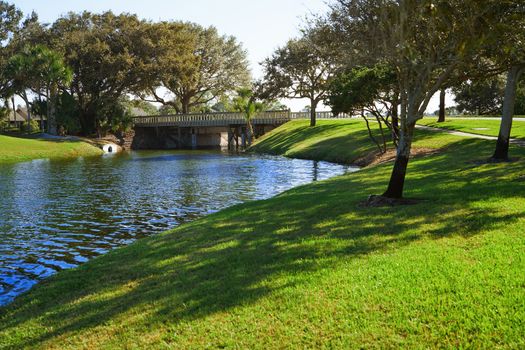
pixel 226 118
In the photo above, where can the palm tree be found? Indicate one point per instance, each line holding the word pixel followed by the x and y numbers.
pixel 20 75
pixel 40 70
pixel 246 102
pixel 53 72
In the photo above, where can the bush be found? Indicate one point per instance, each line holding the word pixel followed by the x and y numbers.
pixel 115 117
pixel 35 126
pixel 67 114
pixel 4 125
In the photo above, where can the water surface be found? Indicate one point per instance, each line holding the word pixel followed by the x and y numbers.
pixel 55 215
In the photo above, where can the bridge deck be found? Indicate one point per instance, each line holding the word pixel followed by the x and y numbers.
pixel 225 119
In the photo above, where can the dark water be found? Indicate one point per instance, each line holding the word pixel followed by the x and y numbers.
pixel 57 214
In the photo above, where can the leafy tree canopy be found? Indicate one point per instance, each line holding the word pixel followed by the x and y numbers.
pixel 109 57
pixel 481 96
pixel 195 65
pixel 300 69
pixel 360 87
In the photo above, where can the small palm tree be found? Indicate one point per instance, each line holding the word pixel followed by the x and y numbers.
pixel 246 102
pixel 52 72
pixel 40 70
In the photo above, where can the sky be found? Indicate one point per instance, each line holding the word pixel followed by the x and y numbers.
pixel 261 25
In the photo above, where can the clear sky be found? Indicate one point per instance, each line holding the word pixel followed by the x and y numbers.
pixel 261 25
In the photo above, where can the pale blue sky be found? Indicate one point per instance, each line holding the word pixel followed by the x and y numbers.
pixel 261 26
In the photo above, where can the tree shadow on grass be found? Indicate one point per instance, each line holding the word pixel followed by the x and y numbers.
pixel 238 256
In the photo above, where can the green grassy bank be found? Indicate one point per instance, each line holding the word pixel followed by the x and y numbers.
pixel 340 141
pixel 311 268
pixel 17 149
pixel 479 126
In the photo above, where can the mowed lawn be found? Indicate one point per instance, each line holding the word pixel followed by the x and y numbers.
pixel 340 141
pixel 312 268
pixel 16 149
pixel 488 127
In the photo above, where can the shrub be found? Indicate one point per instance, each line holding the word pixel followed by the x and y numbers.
pixel 35 126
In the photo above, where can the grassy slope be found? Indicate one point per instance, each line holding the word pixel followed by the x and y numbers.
pixel 311 268
pixel 341 141
pixel 466 125
pixel 15 149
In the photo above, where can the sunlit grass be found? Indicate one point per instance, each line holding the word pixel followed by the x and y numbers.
pixel 312 268
pixel 342 141
pixel 16 149
pixel 480 127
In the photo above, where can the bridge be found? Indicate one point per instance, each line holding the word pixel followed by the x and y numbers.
pixel 206 130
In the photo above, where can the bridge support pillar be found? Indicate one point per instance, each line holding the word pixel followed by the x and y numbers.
pixel 243 137
pixel 233 136
pixel 193 138
pixel 230 137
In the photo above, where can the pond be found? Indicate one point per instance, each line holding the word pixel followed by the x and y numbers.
pixel 55 215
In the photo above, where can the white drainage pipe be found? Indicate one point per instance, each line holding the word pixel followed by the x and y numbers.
pixel 110 148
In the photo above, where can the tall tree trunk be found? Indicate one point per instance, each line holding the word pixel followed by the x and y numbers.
pixel 442 95
pixel 502 145
pixel 6 103
pixel 41 116
pixel 28 108
pixel 250 130
pixel 84 124
pixel 14 110
pixel 313 106
pixel 185 104
pixel 51 110
pixel 395 119
pixel 397 179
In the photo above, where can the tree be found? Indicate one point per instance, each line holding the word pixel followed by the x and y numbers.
pixel 40 70
pixel 480 96
pixel 195 65
pixel 442 107
pixel 20 74
pixel 424 42
pixel 29 34
pixel 10 18
pixel 148 108
pixel 246 102
pixel 502 145
pixel 49 72
pixel 367 90
pixel 300 69
pixel 109 55
pixel 67 111
pixel 509 51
